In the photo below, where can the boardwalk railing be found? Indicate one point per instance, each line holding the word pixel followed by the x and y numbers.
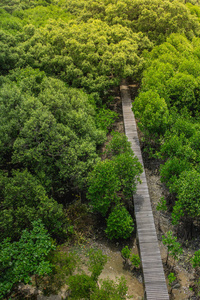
pixel 153 273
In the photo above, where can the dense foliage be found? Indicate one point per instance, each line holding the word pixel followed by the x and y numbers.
pixel 167 108
pixel 155 18
pixel 20 260
pixel 112 182
pixel 59 61
pixel 49 134
pixel 119 223
pixel 95 57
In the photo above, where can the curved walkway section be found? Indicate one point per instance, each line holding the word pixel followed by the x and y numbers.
pixel 153 273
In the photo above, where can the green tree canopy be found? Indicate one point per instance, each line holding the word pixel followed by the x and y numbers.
pixel 9 54
pixel 119 223
pixel 103 186
pixel 173 72
pixel 152 113
pixel 17 5
pixel 111 176
pixel 40 15
pixel 23 200
pixel 156 18
pixel 53 135
pixel 20 260
pixel 188 195
pixel 92 55
pixel 10 23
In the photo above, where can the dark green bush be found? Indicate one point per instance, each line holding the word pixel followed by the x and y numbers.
pixel 119 223
pixel 188 195
pixel 119 144
pixel 80 286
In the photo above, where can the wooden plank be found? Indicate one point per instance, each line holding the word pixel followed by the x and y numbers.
pixel 143 206
pixel 154 278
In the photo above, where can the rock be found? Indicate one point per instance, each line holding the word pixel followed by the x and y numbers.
pixel 176 286
pixel 139 278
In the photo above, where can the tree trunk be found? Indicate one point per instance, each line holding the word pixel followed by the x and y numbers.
pixel 167 258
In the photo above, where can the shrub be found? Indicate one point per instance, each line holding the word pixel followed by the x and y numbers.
pixel 135 260
pixel 103 186
pixel 126 252
pixel 196 259
pixel 128 170
pixel 162 205
pixel 172 169
pixel 118 145
pixel 172 279
pixel 119 223
pixel 105 118
pixel 173 247
pixel 81 286
pixel 152 112
pixel 96 263
pixel 64 264
pixel 110 290
pixel 25 258
pixel 188 194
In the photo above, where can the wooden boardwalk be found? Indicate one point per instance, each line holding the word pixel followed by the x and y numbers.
pixel 153 273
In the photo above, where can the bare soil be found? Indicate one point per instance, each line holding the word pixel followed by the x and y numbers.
pixel 115 268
